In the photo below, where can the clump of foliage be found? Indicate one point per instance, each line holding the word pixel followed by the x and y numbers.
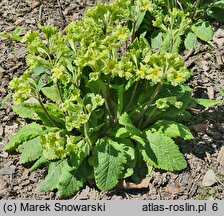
pixel 106 96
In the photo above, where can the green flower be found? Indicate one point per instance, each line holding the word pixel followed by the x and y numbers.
pixel 94 76
pixel 21 87
pixel 125 68
pixel 145 5
pixel 178 104
pixel 53 144
pixel 110 67
pixel 142 71
pixel 57 73
pixel 154 74
pixel 76 121
pixel 175 77
pixel 162 103
pixel 122 33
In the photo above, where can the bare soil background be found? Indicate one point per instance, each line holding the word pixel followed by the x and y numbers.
pixel 204 176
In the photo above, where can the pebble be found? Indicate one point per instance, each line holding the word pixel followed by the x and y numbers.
pixel 209 178
pixel 7 170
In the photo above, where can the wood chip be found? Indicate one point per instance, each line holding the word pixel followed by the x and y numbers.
pixel 32 3
pixel 209 178
pixel 220 157
pixel 211 92
pixel 200 127
pixel 129 185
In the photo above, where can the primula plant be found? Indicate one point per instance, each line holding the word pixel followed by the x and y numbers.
pixel 103 103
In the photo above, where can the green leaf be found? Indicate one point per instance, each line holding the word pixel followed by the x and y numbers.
pixel 157 40
pixel 55 171
pixel 15 34
pixel 127 122
pixel 130 154
pixel 52 93
pixel 161 152
pixel 38 70
pixel 63 177
pixel 191 40
pixel 141 169
pixel 122 133
pixel 55 113
pixel 108 163
pixel 26 110
pixel 139 20
pixel 72 181
pixel 31 150
pixel 203 30
pixel 5 99
pixel 217 11
pixel 41 161
pixel 172 129
pixel 26 133
pixel 207 102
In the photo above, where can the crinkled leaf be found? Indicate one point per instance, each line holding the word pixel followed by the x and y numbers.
pixel 38 70
pixel 72 181
pixel 130 154
pixel 26 133
pixel 31 150
pixel 207 102
pixel 139 20
pixel 203 30
pixel 64 178
pixel 41 161
pixel 157 40
pixel 191 40
pixel 55 171
pixel 56 115
pixel 26 110
pixel 108 163
pixel 172 129
pixel 161 152
pixel 94 86
pixel 127 122
pixel 52 93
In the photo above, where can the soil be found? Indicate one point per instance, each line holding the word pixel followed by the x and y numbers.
pixel 204 176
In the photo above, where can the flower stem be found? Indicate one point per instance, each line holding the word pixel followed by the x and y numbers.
pixel 132 97
pixel 47 114
pixel 59 91
pixel 105 96
pixel 149 118
pixel 149 102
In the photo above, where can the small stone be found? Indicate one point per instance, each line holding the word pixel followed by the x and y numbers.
pixel 7 170
pixel 117 197
pixel 209 178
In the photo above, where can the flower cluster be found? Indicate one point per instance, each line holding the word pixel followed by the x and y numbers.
pixel 57 145
pixel 53 144
pixel 80 110
pixel 164 103
pixel 165 68
pixel 21 87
